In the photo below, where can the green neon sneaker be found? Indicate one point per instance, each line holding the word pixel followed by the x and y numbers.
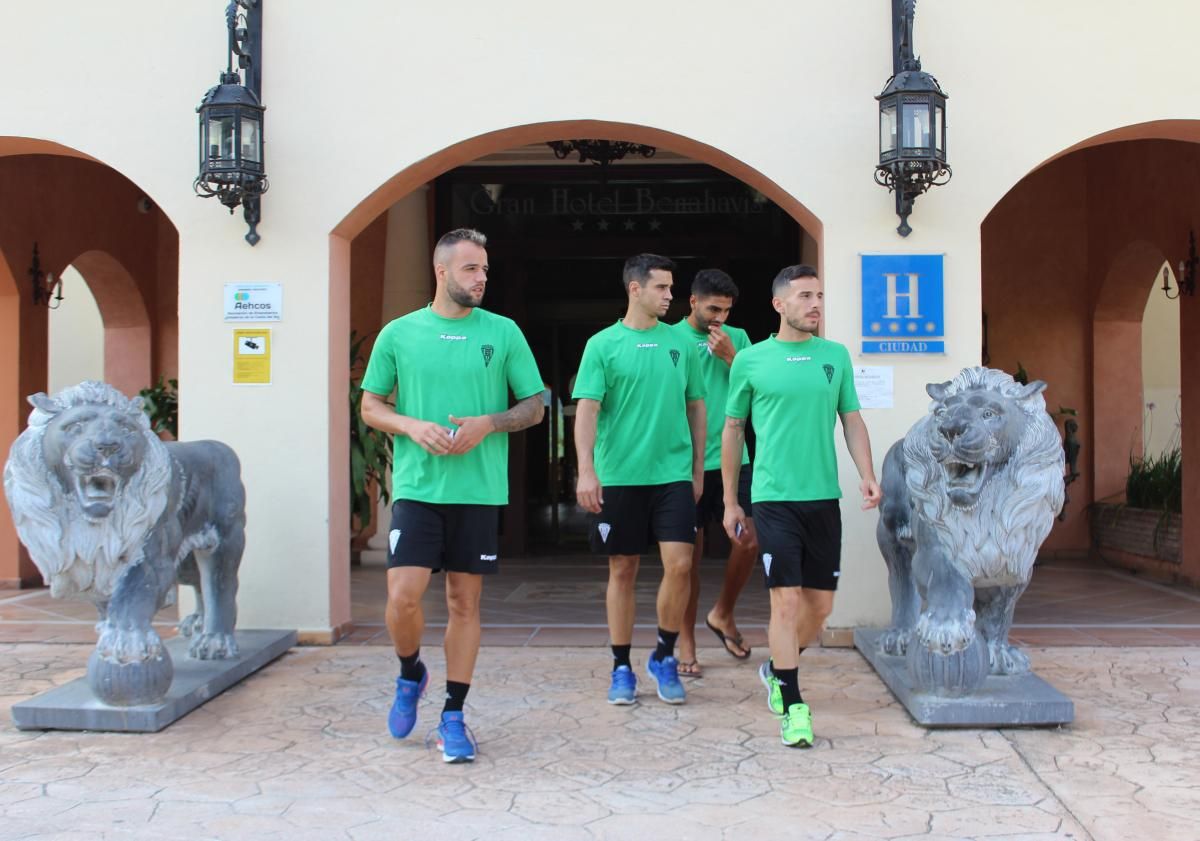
pixel 795 731
pixel 774 694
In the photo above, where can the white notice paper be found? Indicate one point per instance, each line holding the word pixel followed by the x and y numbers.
pixel 874 385
pixel 253 302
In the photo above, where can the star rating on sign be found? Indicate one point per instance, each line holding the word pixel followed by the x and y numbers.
pixel 629 224
pixel 655 224
pixel 603 225
pixel 577 225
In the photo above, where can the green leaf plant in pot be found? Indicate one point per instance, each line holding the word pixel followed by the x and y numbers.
pixel 160 402
pixel 370 449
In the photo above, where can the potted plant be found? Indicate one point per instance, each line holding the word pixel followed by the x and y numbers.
pixel 370 452
pixel 161 404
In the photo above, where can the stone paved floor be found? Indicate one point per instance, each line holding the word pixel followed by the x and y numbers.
pixel 300 751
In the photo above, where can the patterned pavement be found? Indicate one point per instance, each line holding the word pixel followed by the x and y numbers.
pixel 300 751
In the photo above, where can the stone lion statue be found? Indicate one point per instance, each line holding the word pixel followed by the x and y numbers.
pixel 970 493
pixel 112 514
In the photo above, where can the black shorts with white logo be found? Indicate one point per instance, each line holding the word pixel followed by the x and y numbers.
pixel 444 538
pixel 800 543
pixel 635 516
pixel 712 502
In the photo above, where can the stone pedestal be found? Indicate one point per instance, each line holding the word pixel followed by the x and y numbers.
pixel 1002 701
pixel 74 707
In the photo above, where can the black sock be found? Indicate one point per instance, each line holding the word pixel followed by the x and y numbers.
pixel 456 694
pixel 621 656
pixel 789 686
pixel 411 667
pixel 666 644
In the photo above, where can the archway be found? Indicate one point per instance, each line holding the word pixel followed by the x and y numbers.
pixel 359 233
pixel 79 211
pixel 1070 255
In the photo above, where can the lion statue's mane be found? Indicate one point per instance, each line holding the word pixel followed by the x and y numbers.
pixel 78 556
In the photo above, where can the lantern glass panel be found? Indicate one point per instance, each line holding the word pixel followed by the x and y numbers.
pixel 887 127
pixel 915 126
pixel 251 140
pixel 939 128
pixel 220 139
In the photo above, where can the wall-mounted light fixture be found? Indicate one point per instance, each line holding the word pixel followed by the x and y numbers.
pixel 1187 272
pixel 912 122
pixel 231 122
pixel 600 152
pixel 47 289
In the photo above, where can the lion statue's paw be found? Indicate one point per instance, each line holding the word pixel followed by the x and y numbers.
pixel 947 631
pixel 127 645
pixel 894 641
pixel 1006 659
pixel 192 624
pixel 213 647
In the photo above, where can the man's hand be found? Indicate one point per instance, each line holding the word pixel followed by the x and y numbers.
pixel 735 523
pixel 588 492
pixel 697 487
pixel 871 493
pixel 720 344
pixel 470 432
pixel 430 437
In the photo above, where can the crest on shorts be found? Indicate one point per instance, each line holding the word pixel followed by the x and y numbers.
pixel 675 357
pixel 767 558
pixel 828 373
pixel 604 529
pixel 487 350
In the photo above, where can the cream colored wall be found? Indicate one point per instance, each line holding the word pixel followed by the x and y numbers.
pixel 1161 368
pixel 76 336
pixel 786 88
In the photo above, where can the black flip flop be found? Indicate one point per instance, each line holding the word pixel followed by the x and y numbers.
pixel 737 641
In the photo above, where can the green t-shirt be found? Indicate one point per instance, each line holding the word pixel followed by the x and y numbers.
pixel 642 380
pixel 451 366
pixel 793 393
pixel 716 386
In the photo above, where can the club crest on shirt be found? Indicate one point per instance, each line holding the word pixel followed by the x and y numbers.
pixel 828 369
pixel 675 357
pixel 487 351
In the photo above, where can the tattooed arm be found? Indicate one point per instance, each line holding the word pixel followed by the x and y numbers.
pixel 472 430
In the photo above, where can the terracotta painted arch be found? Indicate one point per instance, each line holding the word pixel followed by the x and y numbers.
pixel 422 172
pixel 127 338
pixel 12 409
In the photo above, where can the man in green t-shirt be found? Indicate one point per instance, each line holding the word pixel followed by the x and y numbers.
pixel 715 344
pixel 639 438
pixel 794 387
pixel 452 365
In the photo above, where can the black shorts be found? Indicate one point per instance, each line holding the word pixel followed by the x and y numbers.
pixel 449 538
pixel 712 502
pixel 635 516
pixel 800 543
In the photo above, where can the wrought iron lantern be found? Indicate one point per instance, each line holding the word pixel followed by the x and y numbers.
pixel 231 122
pixel 912 122
pixel 1187 273
pixel 47 289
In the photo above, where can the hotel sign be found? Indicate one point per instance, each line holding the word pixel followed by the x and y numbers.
pixel 903 305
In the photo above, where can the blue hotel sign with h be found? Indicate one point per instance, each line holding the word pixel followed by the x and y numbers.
pixel 902 303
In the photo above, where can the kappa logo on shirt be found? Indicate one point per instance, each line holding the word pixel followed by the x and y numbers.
pixel 450 337
pixel 487 351
pixel 675 357
pixel 648 344
pixel 828 369
pixel 604 529
pixel 799 359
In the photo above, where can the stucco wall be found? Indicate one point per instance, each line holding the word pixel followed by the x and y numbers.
pixel 784 91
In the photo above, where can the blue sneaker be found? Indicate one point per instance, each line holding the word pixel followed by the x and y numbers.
pixel 454 740
pixel 403 716
pixel 624 686
pixel 666 674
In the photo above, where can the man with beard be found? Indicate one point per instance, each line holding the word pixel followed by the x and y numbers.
pixel 452 365
pixel 794 387
pixel 639 438
pixel 715 343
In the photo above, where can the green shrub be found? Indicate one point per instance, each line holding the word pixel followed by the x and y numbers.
pixel 1156 482
pixel 161 403
pixel 370 448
